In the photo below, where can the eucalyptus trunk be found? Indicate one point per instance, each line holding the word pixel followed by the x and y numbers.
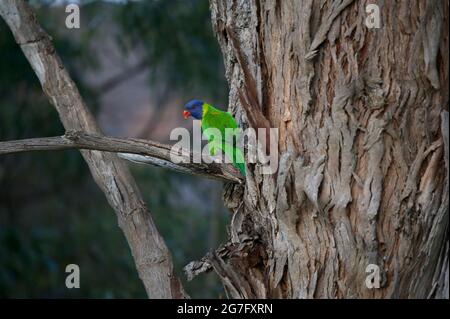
pixel 363 148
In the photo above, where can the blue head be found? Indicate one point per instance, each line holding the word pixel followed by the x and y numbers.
pixel 193 108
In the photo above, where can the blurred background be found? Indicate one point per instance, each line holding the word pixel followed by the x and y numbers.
pixel 136 63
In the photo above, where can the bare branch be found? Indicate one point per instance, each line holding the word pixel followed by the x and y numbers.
pixel 135 150
pixel 152 258
pixel 226 251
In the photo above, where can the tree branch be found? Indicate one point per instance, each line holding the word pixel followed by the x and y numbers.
pixel 152 258
pixel 136 150
pixel 226 251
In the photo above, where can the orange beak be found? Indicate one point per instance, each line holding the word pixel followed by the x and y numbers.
pixel 186 114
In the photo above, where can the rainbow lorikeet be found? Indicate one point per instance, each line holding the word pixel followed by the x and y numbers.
pixel 214 118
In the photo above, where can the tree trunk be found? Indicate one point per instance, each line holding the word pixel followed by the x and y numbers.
pixel 363 148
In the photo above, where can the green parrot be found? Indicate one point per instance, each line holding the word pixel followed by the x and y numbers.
pixel 211 117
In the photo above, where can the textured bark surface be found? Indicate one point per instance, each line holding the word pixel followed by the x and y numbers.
pixel 152 258
pixel 363 142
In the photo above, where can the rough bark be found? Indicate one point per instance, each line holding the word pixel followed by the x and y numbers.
pixel 363 142
pixel 152 258
pixel 132 149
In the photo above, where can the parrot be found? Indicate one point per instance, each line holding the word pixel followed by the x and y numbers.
pixel 212 117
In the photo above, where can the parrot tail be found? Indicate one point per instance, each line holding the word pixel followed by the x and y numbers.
pixel 240 167
pixel 238 160
pixel 235 154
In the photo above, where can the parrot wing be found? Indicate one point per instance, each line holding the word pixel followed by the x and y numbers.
pixel 220 120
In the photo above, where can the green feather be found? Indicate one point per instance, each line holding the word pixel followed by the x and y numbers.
pixel 217 119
